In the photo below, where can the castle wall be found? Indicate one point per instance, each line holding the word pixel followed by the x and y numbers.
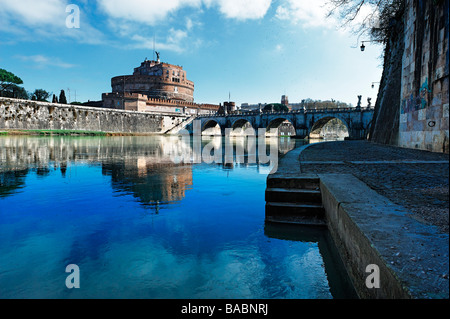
pixel 154 87
pixel 156 80
pixel 141 103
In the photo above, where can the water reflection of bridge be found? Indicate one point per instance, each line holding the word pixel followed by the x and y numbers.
pixel 144 167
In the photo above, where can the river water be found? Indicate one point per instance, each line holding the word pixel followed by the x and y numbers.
pixel 140 223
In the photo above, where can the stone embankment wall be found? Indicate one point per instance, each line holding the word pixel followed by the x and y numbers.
pixel 412 105
pixel 424 96
pixel 385 122
pixel 30 115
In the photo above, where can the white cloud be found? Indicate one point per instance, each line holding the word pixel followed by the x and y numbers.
pixel 283 13
pixel 305 12
pixel 133 20
pixel 151 12
pixel 41 61
pixel 176 35
pixel 139 20
pixel 43 19
pixel 35 12
pixel 174 41
pixel 178 38
pixel 242 10
pixel 144 11
pixel 189 24
pixel 312 14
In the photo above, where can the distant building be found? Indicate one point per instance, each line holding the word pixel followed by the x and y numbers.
pixel 93 103
pixel 245 107
pixel 285 100
pixel 227 108
pixel 155 87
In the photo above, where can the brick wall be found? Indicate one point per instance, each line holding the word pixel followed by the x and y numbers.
pixel 142 103
pixel 156 87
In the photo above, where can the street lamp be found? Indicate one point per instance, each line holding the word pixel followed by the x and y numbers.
pixel 363 47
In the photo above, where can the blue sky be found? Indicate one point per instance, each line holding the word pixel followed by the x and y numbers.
pixel 256 49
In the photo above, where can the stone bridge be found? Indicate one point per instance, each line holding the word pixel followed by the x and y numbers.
pixel 357 120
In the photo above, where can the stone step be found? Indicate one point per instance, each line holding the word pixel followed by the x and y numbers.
pixel 297 220
pixel 303 182
pixel 292 195
pixel 283 210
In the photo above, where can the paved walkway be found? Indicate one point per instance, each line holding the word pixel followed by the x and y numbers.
pixel 388 206
pixel 417 180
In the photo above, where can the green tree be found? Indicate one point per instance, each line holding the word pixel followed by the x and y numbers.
pixel 318 104
pixel 62 97
pixel 16 92
pixel 55 99
pixel 276 107
pixel 8 81
pixel 40 95
pixel 19 92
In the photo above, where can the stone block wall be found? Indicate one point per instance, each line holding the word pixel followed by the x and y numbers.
pixel 31 115
pixel 385 123
pixel 424 121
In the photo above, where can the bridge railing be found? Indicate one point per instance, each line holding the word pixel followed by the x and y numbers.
pixel 255 113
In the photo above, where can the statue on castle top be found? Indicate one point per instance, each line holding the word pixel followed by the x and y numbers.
pixel 369 102
pixel 157 55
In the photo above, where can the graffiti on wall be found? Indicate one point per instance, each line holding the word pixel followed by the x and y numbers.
pixel 414 103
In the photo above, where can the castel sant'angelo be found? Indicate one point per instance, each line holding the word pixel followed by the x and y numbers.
pixel 157 87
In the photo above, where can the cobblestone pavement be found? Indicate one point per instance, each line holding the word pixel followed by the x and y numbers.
pixel 417 180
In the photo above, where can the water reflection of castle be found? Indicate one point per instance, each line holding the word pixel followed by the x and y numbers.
pixel 141 167
pixel 150 182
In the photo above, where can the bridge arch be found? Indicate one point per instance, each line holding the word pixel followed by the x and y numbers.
pixel 283 125
pixel 341 128
pixel 242 127
pixel 356 121
pixel 211 127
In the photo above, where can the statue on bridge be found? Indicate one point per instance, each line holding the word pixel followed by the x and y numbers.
pixel 369 102
pixel 359 101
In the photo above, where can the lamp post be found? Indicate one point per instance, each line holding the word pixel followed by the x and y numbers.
pixel 363 47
